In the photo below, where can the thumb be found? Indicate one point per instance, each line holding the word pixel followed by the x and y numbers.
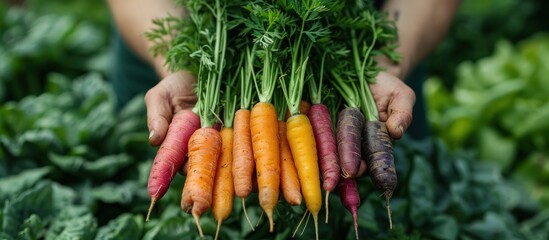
pixel 400 113
pixel 159 114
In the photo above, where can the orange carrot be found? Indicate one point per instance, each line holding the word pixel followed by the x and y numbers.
pixel 243 162
pixel 204 151
pixel 289 181
pixel 264 129
pixel 223 192
pixel 243 158
pixel 206 143
pixel 264 126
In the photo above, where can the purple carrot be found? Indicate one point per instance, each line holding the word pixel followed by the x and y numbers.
pixel 378 151
pixel 349 129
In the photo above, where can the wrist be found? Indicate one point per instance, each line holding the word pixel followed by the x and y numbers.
pixel 399 70
pixel 160 67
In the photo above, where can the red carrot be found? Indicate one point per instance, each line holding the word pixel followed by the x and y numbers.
pixel 321 122
pixel 327 150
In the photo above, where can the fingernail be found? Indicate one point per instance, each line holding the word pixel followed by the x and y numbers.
pixel 401 128
pixel 151 135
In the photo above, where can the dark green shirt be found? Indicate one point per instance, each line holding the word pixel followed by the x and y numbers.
pixel 130 76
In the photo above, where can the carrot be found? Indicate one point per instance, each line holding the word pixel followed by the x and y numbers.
pixel 302 142
pixel 217 126
pixel 349 129
pixel 264 123
pixel 264 128
pixel 205 143
pixel 204 151
pixel 299 130
pixel 289 180
pixel 223 191
pixel 243 162
pixel 327 149
pixel 377 146
pixel 171 154
pixel 348 193
pixel 324 136
pixel 378 150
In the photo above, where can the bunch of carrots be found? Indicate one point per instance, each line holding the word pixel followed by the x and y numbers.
pixel 286 65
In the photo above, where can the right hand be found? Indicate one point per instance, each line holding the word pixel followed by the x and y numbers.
pixel 171 95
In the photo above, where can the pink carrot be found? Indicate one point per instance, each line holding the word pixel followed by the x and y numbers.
pixel 171 155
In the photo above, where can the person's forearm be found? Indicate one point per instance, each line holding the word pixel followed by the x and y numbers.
pixel 422 24
pixel 134 18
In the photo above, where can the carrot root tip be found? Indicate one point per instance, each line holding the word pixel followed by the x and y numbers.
pixel 197 222
pixel 217 231
pixel 306 223
pixel 315 218
pixel 153 201
pixel 259 219
pixel 271 221
pixel 388 195
pixel 327 195
pixel 299 224
pixel 246 214
pixel 355 220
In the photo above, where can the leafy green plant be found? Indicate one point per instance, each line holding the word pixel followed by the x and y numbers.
pixel 499 108
pixel 34 45
pixel 478 25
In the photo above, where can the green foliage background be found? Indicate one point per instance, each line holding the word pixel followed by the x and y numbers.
pixel 73 168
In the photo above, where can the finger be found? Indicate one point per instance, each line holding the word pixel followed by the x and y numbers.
pixel 362 168
pixel 400 112
pixel 185 168
pixel 159 114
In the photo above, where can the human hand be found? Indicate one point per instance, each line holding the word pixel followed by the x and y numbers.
pixel 395 101
pixel 171 95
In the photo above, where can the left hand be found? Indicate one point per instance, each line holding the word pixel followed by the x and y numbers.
pixel 395 101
